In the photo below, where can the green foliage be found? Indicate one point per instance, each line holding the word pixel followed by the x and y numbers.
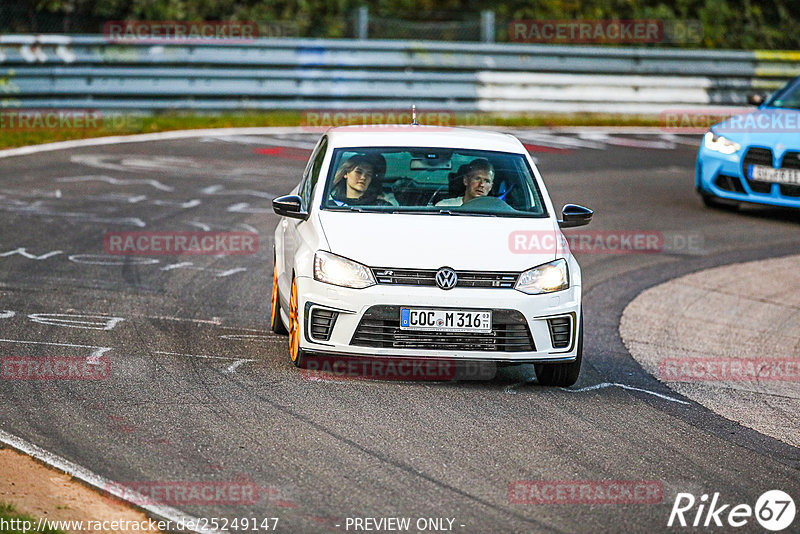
pixel 746 24
pixel 9 512
pixel 185 121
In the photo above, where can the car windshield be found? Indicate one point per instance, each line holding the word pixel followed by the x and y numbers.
pixel 788 97
pixel 444 181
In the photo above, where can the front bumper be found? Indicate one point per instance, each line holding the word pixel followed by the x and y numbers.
pixel 721 175
pixel 533 313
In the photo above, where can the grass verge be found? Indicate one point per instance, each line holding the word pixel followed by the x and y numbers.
pixel 13 522
pixel 14 135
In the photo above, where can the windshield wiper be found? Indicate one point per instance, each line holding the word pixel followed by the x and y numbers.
pixel 357 209
pixel 479 214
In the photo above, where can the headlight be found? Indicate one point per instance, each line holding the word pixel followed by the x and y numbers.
pixel 333 269
pixel 553 276
pixel 718 143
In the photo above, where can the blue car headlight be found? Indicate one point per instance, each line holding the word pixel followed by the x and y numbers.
pixel 717 143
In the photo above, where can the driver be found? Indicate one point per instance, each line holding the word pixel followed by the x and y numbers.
pixel 478 176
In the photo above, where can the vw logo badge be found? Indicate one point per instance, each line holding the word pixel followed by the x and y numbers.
pixel 446 278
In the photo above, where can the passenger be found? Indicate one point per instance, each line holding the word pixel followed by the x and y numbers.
pixel 358 181
pixel 478 177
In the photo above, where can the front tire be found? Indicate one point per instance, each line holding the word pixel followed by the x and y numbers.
pixel 276 323
pixel 561 374
pixel 297 354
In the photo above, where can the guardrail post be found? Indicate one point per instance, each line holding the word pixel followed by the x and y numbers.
pixel 487 26
pixel 363 22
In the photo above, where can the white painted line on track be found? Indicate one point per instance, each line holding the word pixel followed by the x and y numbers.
pixel 624 386
pixel 275 130
pixel 556 141
pixel 247 329
pixel 248 228
pixel 203 356
pixel 215 321
pixel 143 138
pixel 99 351
pixel 512 389
pixel 116 181
pixel 204 227
pixel 247 336
pixel 262 141
pixel 158 512
pixel 626 142
pixel 232 367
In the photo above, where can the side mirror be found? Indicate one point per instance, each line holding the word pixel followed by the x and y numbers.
pixel 289 206
pixel 573 215
pixel 756 99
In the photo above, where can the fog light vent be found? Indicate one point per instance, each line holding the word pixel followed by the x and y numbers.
pixel 560 331
pixel 322 322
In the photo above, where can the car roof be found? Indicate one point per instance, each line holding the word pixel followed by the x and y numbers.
pixel 422 136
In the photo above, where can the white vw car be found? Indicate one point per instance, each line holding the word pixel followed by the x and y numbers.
pixel 427 242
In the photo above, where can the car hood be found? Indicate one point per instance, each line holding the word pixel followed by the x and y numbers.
pixel 763 127
pixel 432 241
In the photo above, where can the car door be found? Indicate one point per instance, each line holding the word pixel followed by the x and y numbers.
pixel 292 226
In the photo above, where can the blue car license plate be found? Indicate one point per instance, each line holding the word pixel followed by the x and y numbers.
pixel 762 173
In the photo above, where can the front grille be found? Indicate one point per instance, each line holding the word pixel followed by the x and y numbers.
pixel 757 156
pixel 380 327
pixel 791 160
pixel 427 277
pixel 763 156
pixel 789 190
pixel 560 331
pixel 729 183
pixel 321 323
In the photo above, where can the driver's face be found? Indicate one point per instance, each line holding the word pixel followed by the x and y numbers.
pixel 478 183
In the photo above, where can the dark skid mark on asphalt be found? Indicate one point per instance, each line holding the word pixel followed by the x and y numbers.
pixel 130 273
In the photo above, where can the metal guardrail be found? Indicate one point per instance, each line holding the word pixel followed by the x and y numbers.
pixel 52 71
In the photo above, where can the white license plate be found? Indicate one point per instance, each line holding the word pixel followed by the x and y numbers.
pixel 445 320
pixel 762 173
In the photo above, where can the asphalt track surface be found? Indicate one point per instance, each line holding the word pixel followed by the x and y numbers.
pixel 201 391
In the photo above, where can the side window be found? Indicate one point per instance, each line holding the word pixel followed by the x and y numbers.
pixel 310 180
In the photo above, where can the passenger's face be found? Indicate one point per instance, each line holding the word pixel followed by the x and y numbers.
pixel 359 178
pixel 478 183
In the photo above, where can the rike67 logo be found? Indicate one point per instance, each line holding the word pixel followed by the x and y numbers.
pixel 774 510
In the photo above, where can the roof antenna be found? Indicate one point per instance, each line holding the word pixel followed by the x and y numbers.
pixel 414 115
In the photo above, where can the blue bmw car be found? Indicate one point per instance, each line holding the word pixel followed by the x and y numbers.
pixel 754 157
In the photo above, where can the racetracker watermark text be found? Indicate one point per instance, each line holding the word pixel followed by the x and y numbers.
pixel 54 368
pixel 121 31
pixel 730 369
pixel 180 243
pixel 186 493
pixel 32 120
pixel 637 31
pixel 586 492
pixel 395 368
pixel 319 120
pixel 745 120
pixel 605 242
